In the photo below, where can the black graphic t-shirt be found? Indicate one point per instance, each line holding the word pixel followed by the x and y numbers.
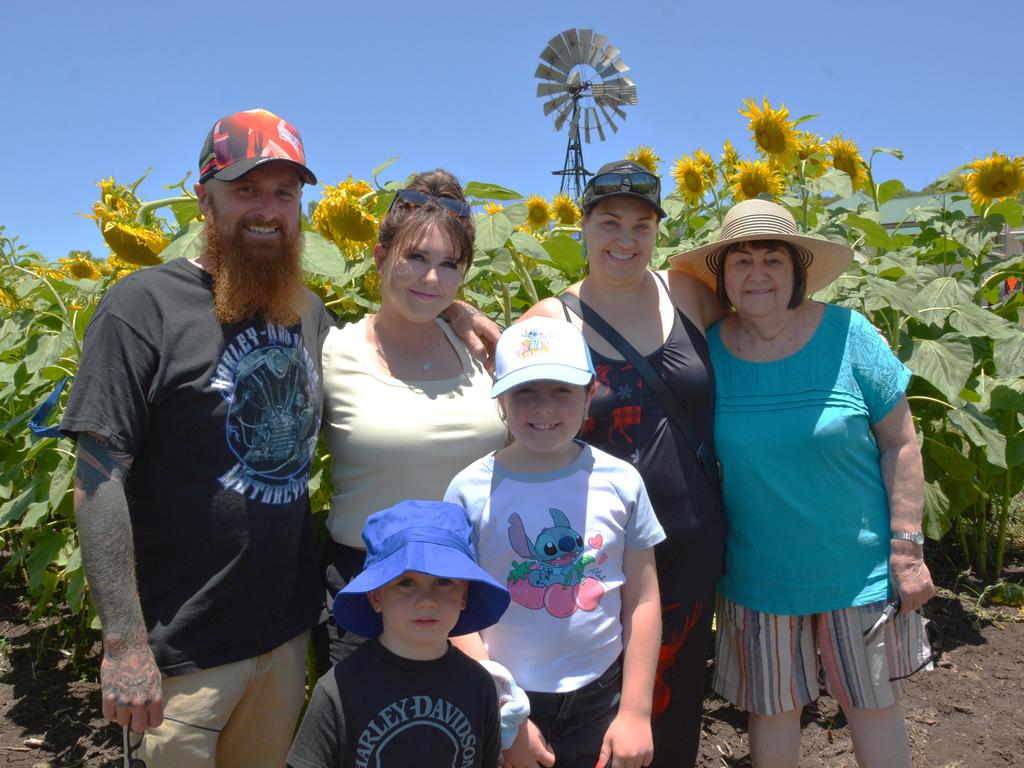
pixel 222 421
pixel 379 710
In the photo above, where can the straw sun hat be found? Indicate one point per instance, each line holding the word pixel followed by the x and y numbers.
pixel 823 260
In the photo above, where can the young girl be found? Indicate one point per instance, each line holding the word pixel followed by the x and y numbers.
pixel 570 530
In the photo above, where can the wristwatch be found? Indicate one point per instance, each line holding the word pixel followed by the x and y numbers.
pixel 914 536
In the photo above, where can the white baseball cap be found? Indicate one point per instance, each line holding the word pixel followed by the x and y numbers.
pixel 541 349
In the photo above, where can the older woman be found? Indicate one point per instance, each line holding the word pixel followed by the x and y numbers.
pixel 406 406
pixel 822 491
pixel 663 317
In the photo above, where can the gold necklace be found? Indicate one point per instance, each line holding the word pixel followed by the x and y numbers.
pixel 754 339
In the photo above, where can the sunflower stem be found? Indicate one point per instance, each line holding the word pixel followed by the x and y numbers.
pixel 143 217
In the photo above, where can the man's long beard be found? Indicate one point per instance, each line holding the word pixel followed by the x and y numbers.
pixel 263 283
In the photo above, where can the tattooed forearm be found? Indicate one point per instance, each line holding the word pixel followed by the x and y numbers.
pixel 105 533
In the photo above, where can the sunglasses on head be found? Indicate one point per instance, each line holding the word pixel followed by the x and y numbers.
pixel 635 181
pixel 410 198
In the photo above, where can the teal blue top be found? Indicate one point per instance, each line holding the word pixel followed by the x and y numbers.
pixel 807 513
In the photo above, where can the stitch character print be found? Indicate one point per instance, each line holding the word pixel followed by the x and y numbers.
pixel 534 342
pixel 554 576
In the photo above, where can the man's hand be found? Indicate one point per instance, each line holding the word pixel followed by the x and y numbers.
pixel 628 742
pixel 478 332
pixel 529 750
pixel 910 575
pixel 132 691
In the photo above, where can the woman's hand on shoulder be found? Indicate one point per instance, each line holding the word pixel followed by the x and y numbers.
pixel 694 298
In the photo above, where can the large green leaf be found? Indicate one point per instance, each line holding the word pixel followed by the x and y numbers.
pixel 1010 210
pixel 900 296
pixel 939 297
pixel 187 245
pixel 1009 354
pixel 566 254
pixel 982 431
pixel 44 551
pixel 972 320
pixel 945 363
pixel 952 461
pixel 517 213
pixel 887 190
pixel 492 230
pixel 45 349
pixel 937 520
pixel 322 257
pixel 60 480
pixel 483 191
pixel 875 235
pixel 529 246
pixel 185 211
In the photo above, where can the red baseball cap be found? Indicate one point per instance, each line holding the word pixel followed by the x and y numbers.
pixel 238 143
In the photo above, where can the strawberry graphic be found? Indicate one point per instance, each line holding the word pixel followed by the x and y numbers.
pixel 522 591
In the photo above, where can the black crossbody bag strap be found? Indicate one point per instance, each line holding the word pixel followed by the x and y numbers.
pixel 705 456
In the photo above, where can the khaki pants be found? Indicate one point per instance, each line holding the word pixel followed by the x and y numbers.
pixel 238 714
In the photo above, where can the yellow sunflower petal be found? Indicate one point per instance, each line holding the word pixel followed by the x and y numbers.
pixel 564 210
pixel 772 130
pixel 134 244
pixel 689 180
pixel 645 156
pixel 846 157
pixel 491 207
pixel 755 177
pixel 538 212
pixel 995 177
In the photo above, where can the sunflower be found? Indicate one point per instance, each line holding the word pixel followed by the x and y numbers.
pixel 345 216
pixel 371 286
pixel 645 156
pixel 134 244
pixel 995 177
pixel 491 208
pixel 115 213
pixel 773 131
pixel 846 157
pixel 689 180
pixel 755 177
pixel 81 268
pixel 707 166
pixel 564 210
pixel 810 149
pixel 538 212
pixel 730 158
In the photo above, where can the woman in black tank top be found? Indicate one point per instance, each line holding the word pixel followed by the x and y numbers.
pixel 663 316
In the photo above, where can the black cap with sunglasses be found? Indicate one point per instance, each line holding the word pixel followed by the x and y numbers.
pixel 623 178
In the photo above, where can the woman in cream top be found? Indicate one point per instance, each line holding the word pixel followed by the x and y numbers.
pixel 406 406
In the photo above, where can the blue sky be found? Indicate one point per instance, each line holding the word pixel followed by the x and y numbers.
pixel 98 89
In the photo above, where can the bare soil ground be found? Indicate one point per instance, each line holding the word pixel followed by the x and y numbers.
pixel 965 714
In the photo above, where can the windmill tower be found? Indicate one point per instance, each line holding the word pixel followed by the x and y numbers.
pixel 583 82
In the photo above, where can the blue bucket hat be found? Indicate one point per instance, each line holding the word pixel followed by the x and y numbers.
pixel 432 537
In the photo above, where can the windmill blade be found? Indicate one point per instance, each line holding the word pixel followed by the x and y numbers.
pixel 572 41
pixel 557 44
pixel 550 56
pixel 617 110
pixel 555 103
pixel 586 125
pixel 586 45
pixel 600 130
pixel 546 73
pixel 611 68
pixel 597 45
pixel 549 89
pixel 562 116
pixel 608 119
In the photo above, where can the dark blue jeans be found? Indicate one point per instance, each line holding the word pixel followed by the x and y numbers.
pixel 574 723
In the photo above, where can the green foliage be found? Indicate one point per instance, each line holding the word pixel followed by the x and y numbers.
pixel 932 289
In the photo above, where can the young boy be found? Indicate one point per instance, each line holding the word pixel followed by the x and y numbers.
pixel 408 697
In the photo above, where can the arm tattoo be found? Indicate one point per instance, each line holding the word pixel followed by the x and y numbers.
pixel 105 535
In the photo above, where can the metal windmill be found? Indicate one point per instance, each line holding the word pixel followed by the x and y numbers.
pixel 584 84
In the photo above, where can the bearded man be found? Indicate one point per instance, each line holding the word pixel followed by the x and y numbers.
pixel 196 410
